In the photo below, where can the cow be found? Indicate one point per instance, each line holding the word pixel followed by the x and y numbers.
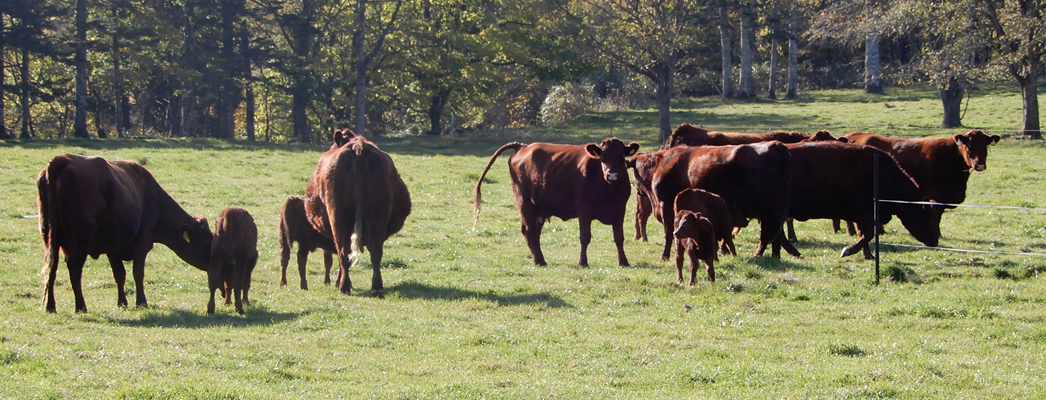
pixel 834 180
pixel 588 182
pixel 695 236
pixel 940 165
pixel 689 135
pixel 356 194
pixel 295 227
pixel 234 253
pixel 822 135
pixel 643 166
pixel 90 206
pixel 753 179
pixel 713 207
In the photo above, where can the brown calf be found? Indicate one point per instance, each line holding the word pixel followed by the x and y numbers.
pixel 695 236
pixel 234 253
pixel 295 227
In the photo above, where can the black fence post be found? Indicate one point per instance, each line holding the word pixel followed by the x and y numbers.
pixel 875 199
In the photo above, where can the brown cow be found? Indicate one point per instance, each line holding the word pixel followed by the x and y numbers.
pixel 820 136
pixel 689 135
pixel 587 182
pixel 295 227
pixel 834 180
pixel 90 206
pixel 695 236
pixel 234 253
pixel 941 165
pixel 713 207
pixel 643 166
pixel 357 195
pixel 751 178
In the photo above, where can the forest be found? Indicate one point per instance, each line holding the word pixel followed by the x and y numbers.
pixel 293 70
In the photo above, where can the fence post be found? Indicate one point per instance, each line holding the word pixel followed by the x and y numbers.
pixel 875 199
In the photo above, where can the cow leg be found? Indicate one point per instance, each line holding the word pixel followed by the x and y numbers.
pixel 791 230
pixel 668 221
pixel 120 276
pixel 376 283
pixel 692 255
pixel 344 282
pixel 679 260
pixel 850 229
pixel 532 233
pixel 52 274
pixel 138 270
pixel 303 259
pixel 619 240
pixel 710 269
pixel 75 264
pixel 236 283
pixel 327 261
pixel 585 226
pixel 214 283
pixel 252 260
pixel 285 258
pixel 728 246
pixel 864 228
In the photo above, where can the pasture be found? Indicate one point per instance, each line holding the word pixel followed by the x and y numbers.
pixel 467 315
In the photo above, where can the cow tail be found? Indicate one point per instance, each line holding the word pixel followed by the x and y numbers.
pixel 47 188
pixel 358 236
pixel 284 237
pixel 477 198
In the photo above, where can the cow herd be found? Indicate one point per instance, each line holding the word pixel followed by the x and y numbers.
pixel 703 186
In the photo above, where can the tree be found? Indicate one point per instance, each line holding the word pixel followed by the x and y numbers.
pixel 725 51
pixel 3 42
pixel 1017 35
pixel 364 56
pixel 648 38
pixel 793 53
pixel 775 35
pixel 80 63
pixel 746 84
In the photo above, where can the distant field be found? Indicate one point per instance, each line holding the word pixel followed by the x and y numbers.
pixel 467 315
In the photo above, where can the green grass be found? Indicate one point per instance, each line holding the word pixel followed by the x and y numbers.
pixel 467 315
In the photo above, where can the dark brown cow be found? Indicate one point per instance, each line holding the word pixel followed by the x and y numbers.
pixel 834 180
pixel 234 253
pixel 941 165
pixel 713 207
pixel 357 191
pixel 752 178
pixel 588 182
pixel 643 166
pixel 90 206
pixel 695 236
pixel 689 135
pixel 820 136
pixel 295 227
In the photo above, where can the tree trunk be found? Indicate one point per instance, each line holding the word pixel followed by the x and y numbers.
pixel 80 61
pixel 189 122
pixel 746 84
pixel 174 109
pixel 774 45
pixel 724 40
pixel 1030 96
pixel 117 77
pixel 26 115
pixel 873 81
pixel 439 103
pixel 951 98
pixel 230 94
pixel 793 54
pixel 3 41
pixel 248 123
pixel 299 102
pixel 664 98
pixel 300 93
pixel 361 67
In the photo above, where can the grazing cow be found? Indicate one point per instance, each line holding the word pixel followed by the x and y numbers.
pixel 753 179
pixel 587 182
pixel 357 195
pixel 695 236
pixel 90 206
pixel 941 166
pixel 713 207
pixel 834 180
pixel 234 253
pixel 643 166
pixel 689 135
pixel 295 227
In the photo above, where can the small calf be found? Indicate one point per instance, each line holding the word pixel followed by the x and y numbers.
pixel 234 252
pixel 295 227
pixel 695 235
pixel 711 206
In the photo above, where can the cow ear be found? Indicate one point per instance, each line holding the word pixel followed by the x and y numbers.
pixel 959 139
pixel 633 148
pixel 993 139
pixel 338 138
pixel 594 150
pixel 185 235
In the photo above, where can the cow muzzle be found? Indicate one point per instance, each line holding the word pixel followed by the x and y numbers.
pixel 980 167
pixel 612 177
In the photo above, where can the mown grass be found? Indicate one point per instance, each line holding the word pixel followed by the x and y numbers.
pixel 467 315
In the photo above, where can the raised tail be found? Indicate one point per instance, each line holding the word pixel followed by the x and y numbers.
pixel 477 198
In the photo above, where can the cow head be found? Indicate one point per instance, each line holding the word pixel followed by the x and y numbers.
pixel 194 243
pixel 342 136
pixel 922 221
pixel 611 154
pixel 973 146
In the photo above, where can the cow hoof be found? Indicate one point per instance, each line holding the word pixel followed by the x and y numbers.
pixel 848 251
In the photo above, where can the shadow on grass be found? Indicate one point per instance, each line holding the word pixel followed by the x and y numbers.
pixel 770 263
pixel 415 290
pixel 196 319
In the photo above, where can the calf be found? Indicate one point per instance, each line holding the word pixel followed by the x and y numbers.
pixel 643 166
pixel 695 235
pixel 689 135
pixel 588 182
pixel 234 252
pixel 295 227
pixel 711 206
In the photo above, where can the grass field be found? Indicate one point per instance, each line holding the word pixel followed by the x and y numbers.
pixel 467 315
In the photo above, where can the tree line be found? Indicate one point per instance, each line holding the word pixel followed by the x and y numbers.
pixel 296 69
